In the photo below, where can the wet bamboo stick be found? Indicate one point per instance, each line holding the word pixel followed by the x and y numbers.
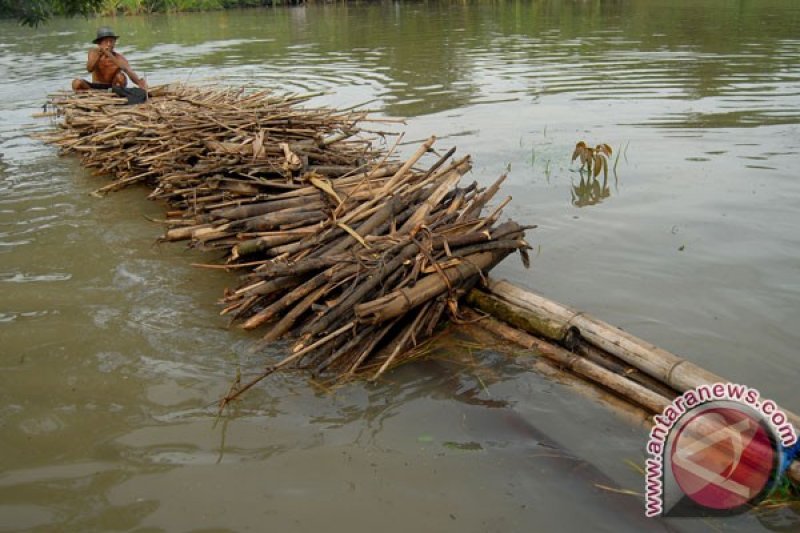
pixel 554 320
pixel 619 384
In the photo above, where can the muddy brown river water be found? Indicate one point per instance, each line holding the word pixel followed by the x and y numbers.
pixel 112 353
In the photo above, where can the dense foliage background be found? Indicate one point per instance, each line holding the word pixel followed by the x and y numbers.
pixel 33 12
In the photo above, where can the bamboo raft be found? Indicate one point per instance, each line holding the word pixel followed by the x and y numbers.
pixel 351 253
pixel 632 369
pixel 355 255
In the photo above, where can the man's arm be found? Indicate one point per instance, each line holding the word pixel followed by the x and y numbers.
pixel 94 56
pixel 123 64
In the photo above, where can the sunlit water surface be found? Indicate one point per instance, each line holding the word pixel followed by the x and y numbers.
pixel 113 353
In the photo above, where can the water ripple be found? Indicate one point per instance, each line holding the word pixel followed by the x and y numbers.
pixel 20 277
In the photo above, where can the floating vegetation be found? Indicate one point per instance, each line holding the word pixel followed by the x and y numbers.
pixel 593 160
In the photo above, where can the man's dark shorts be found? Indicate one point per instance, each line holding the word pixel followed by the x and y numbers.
pixel 100 86
pixel 134 94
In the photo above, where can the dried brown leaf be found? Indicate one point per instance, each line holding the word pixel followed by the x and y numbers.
pixel 598 164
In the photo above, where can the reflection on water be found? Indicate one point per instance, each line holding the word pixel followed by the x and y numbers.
pixel 427 58
pixel 113 353
pixel 589 191
pixel 594 161
pixel 781 518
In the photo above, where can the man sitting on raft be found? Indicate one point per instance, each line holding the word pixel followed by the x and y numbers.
pixel 108 67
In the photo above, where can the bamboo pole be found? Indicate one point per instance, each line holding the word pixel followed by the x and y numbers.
pixel 652 401
pixel 552 320
pixel 673 371
pixel 587 369
pixel 668 368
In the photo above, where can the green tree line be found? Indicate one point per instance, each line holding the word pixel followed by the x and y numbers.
pixel 34 12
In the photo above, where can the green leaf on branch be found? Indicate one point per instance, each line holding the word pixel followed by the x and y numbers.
pixel 34 12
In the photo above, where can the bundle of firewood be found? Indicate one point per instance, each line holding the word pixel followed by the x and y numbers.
pixel 353 254
pixel 212 143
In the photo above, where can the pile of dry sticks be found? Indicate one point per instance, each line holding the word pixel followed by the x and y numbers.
pixel 352 253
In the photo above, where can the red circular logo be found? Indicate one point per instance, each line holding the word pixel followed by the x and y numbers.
pixel 722 458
